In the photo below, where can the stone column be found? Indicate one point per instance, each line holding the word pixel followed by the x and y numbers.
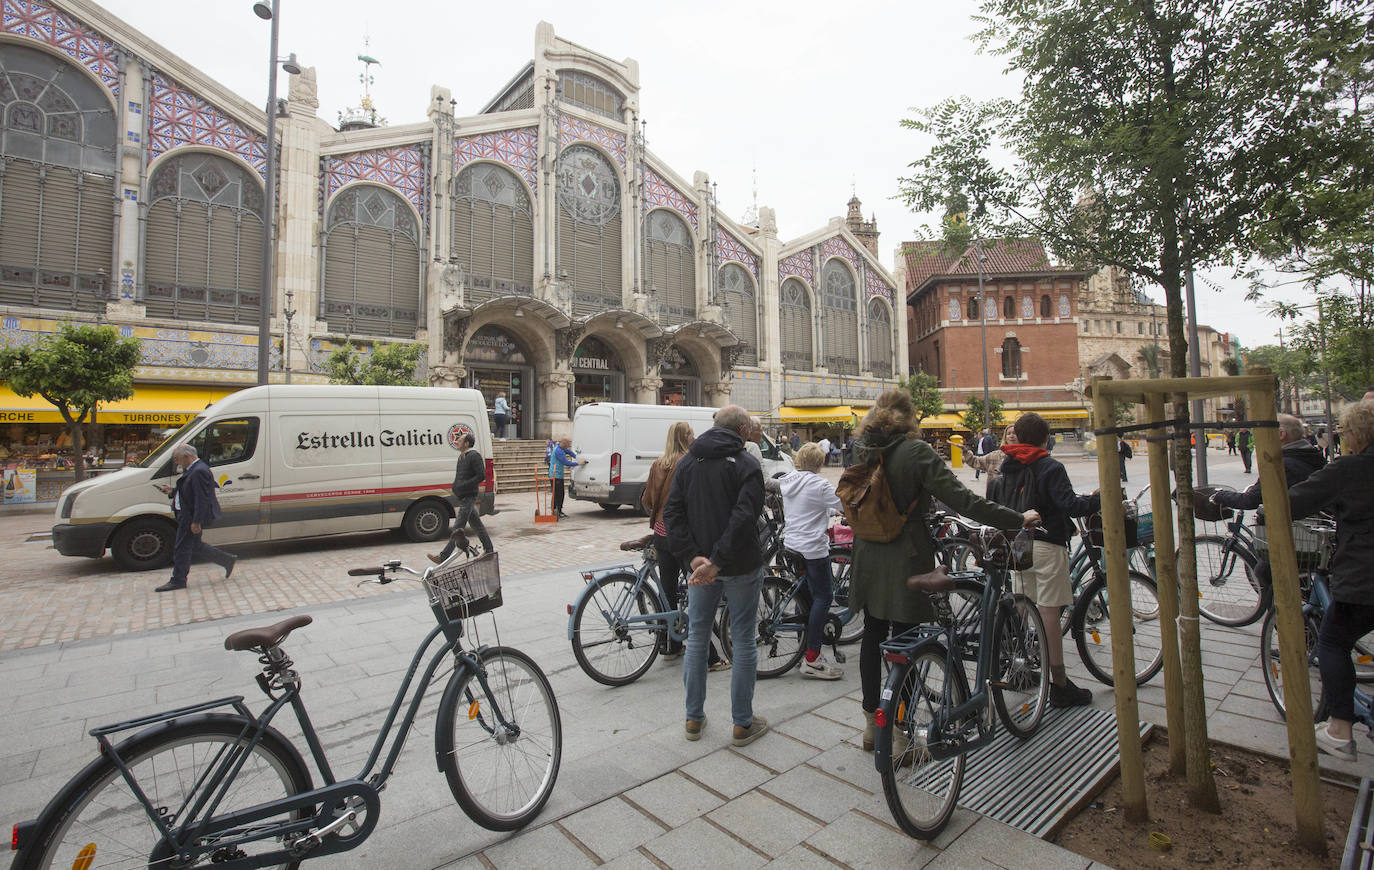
pixel 717 394
pixel 645 389
pixel 299 218
pixel 123 281
pixel 554 419
pixel 899 312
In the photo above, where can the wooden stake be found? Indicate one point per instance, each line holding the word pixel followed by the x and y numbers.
pixel 1166 578
pixel 1119 597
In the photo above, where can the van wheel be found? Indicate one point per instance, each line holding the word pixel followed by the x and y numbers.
pixel 143 544
pixel 426 521
pixel 609 508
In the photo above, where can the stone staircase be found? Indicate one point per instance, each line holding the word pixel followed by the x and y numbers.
pixel 517 462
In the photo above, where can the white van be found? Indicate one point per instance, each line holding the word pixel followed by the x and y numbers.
pixel 291 461
pixel 620 441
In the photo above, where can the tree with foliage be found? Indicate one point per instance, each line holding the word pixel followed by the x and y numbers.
pixel 1149 354
pixel 1182 122
pixel 977 418
pixel 1293 366
pixel 925 394
pixel 389 365
pixel 73 369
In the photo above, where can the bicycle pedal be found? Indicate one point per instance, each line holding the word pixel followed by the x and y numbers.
pixel 839 656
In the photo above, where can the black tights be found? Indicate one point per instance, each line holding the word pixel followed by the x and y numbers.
pixel 871 656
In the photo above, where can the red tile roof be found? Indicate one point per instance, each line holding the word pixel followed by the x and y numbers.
pixel 925 259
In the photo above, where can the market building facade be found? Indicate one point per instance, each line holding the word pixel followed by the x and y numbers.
pixel 535 248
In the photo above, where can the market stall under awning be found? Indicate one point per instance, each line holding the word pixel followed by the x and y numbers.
pixel 827 414
pixel 152 405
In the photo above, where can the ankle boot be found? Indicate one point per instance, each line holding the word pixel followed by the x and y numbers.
pixel 870 732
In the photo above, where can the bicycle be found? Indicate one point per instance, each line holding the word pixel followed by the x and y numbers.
pixel 784 608
pixel 195 786
pixel 928 718
pixel 1089 620
pixel 1225 596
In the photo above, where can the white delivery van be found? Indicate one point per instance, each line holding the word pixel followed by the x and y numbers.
pixel 620 441
pixel 291 461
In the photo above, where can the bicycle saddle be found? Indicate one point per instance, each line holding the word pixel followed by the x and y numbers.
pixel 252 638
pixel 638 543
pixel 936 581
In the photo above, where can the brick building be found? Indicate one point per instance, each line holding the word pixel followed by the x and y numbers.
pixel 1030 310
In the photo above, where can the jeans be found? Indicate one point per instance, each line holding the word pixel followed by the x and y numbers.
pixel 1342 625
pixel 741 593
pixel 871 669
pixel 467 513
pixel 1245 460
pixel 819 581
pixel 500 425
pixel 189 547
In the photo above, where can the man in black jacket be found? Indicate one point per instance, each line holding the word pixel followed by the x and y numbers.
pixel 1300 459
pixel 712 521
pixel 195 506
pixel 467 478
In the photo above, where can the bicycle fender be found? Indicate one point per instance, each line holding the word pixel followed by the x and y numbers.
pixel 591 588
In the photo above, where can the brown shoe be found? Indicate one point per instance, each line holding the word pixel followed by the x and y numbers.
pixel 694 728
pixel 434 557
pixel 745 736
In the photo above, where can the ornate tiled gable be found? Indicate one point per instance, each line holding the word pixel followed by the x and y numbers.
pixel 177 117
pixel 659 192
pixel 400 168
pixel 517 149
pixel 47 25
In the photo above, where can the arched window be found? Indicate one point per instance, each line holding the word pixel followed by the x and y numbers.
pixel 589 229
pixel 1046 306
pixel 58 144
pixel 841 320
pixel 1009 308
pixel 973 308
pixel 1011 358
pixel 795 327
pixel 670 265
pixel 493 232
pixel 203 256
pixel 741 310
pixel 879 339
pixel 590 92
pixel 371 264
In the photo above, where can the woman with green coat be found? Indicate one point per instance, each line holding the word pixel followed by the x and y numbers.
pixel 915 473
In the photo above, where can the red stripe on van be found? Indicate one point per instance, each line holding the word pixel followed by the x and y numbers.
pixel 348 493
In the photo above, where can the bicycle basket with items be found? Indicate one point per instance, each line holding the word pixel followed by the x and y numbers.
pixel 1098 538
pixel 1204 509
pixel 993 549
pixel 1306 541
pixel 467 589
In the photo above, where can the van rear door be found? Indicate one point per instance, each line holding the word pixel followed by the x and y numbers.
pixel 594 431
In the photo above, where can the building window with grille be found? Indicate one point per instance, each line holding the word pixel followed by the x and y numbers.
pixel 841 318
pixel 590 93
pixel 741 310
pixel 1009 308
pixel 795 327
pixel 1046 306
pixel 1011 358
pixel 493 232
pixel 57 161
pixel 973 308
pixel 589 215
pixel 203 256
pixel 879 339
pixel 371 273
pixel 670 265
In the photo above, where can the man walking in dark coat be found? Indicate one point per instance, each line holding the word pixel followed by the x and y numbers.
pixel 467 478
pixel 195 506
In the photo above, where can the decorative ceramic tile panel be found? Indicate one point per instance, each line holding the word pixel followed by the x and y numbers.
pixel 730 248
pixel 66 34
pixel 750 390
pixel 179 117
pixel 659 192
pixel 798 265
pixel 518 149
pixel 572 129
pixel 836 246
pixel 401 168
pixel 877 286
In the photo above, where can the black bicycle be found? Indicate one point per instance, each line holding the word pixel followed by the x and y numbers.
pixel 213 784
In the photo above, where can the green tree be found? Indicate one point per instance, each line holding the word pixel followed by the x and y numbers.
pixel 1149 353
pixel 925 394
pixel 73 369
pixel 1293 366
pixel 976 418
pixel 389 365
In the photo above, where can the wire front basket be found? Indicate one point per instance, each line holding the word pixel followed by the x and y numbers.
pixel 1306 541
pixel 467 589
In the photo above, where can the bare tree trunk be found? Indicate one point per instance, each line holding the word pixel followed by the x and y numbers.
pixel 78 448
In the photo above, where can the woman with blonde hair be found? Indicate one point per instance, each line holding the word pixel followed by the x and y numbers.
pixel 915 475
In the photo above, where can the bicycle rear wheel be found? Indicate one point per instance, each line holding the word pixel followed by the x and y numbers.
pixel 841 560
pixel 1020 664
pixel 1273 670
pixel 97 816
pixel 501 775
pixel 607 648
pixel 1092 628
pixel 921 791
pixel 1228 585
pixel 781 634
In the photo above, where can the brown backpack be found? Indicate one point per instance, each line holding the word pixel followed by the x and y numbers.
pixel 868 505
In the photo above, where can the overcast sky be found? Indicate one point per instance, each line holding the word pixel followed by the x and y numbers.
pixel 809 93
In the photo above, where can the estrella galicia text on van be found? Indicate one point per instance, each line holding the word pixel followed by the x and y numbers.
pixel 387 438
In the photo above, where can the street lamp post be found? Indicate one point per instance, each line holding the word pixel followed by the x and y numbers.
pixel 269 208
pixel 289 312
pixel 982 329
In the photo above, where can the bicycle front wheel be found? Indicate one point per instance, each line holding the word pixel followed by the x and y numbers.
pixel 1228 585
pixel 1092 628
pixel 500 748
pixel 841 559
pixel 609 649
pixel 921 790
pixel 97 821
pixel 1020 663
pixel 781 635
pixel 1273 669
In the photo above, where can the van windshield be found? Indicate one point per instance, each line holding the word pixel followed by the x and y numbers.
pixel 157 455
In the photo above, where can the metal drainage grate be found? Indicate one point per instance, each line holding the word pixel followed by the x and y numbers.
pixel 1035 784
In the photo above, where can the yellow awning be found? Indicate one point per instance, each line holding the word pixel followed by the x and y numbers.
pixel 831 414
pixel 155 405
pixel 944 421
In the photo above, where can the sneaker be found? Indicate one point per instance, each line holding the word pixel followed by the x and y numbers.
pixel 721 665
pixel 821 669
pixel 693 728
pixel 1342 749
pixel 745 736
pixel 1069 695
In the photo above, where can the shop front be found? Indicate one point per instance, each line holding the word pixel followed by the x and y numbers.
pixel 598 375
pixel 681 381
pixel 497 362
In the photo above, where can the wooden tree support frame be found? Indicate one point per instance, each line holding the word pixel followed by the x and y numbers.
pixel 1259 389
